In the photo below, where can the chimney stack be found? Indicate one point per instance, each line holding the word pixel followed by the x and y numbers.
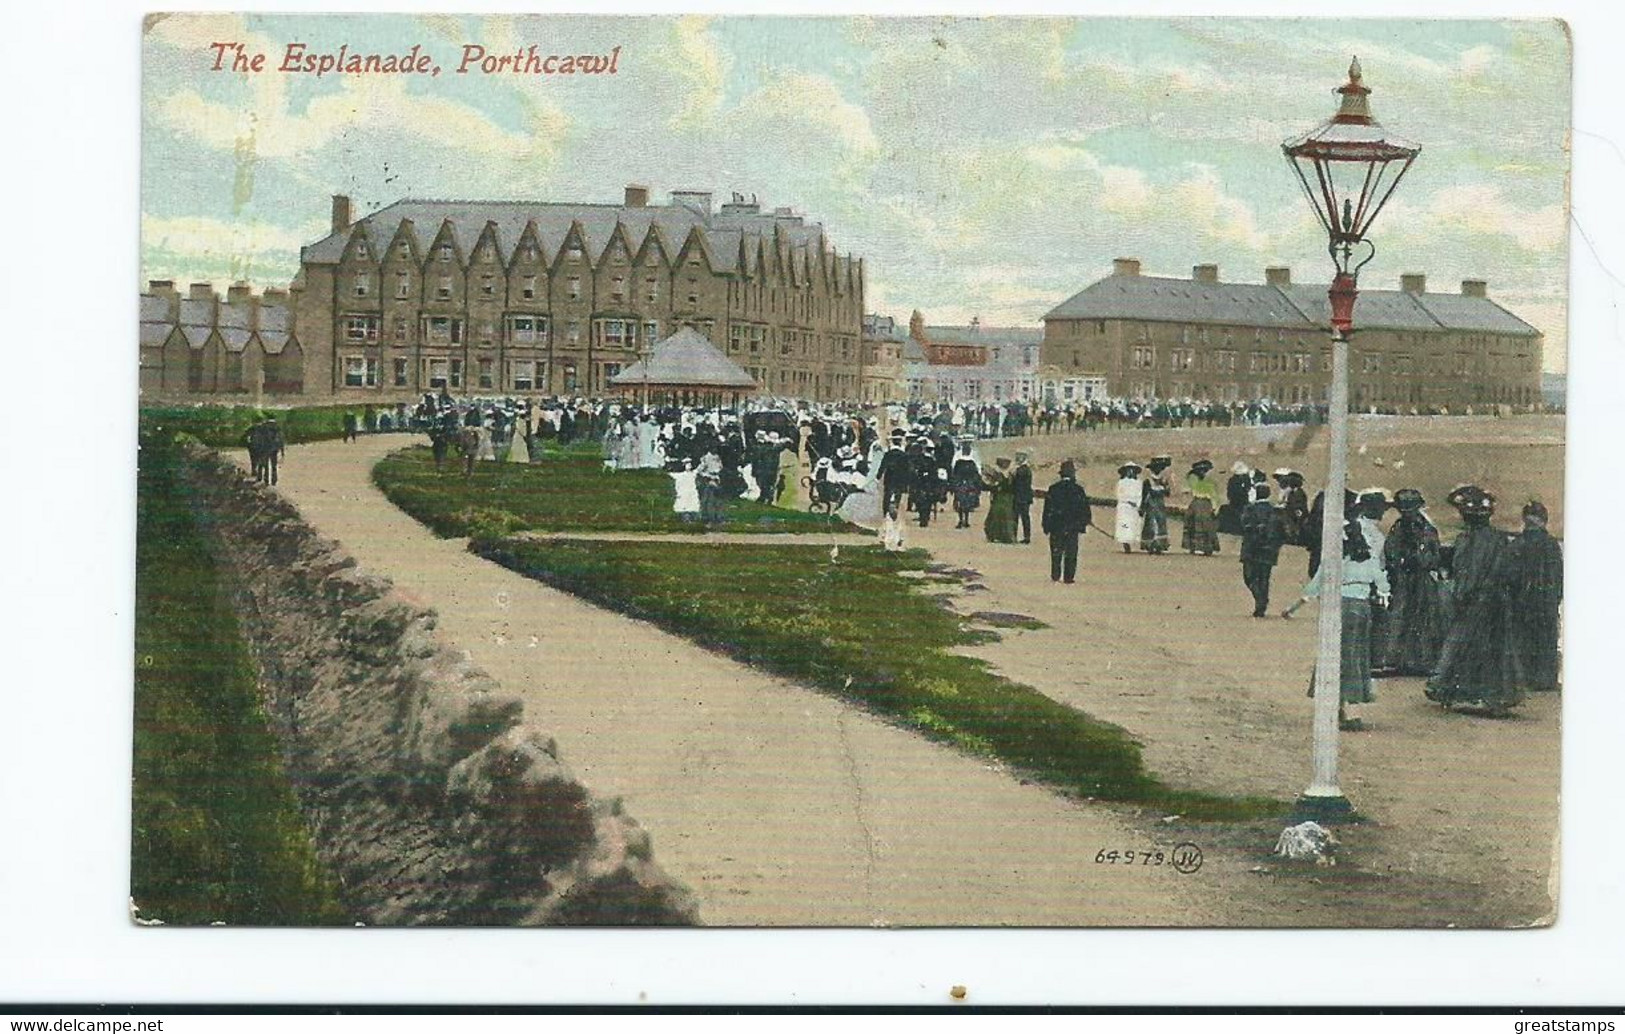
pixel 637 196
pixel 239 293
pixel 1278 276
pixel 1475 288
pixel 200 292
pixel 1126 267
pixel 696 201
pixel 1205 274
pixel 1413 283
pixel 341 212
pixel 275 296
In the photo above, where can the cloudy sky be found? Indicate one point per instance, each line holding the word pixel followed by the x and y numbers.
pixel 982 167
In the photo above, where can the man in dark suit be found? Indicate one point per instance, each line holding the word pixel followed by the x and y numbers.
pixel 895 475
pixel 1066 515
pixel 1021 486
pixel 1262 534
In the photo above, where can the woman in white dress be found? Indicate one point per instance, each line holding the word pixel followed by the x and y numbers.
pixel 630 453
pixel 1127 529
pixel 863 507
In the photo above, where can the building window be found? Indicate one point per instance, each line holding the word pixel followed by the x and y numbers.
pixel 487 332
pixel 571 382
pixel 618 333
pixel 611 370
pixel 573 287
pixel 529 288
pixel 530 329
pixel 363 285
pixel 573 252
pixel 652 289
pixel 360 372
pixel 439 373
pixel 445 252
pixel 651 331
pixel 361 328
pixel 457 373
pixel 443 292
pixel 617 290
pixel 400 330
pixel 488 285
pixel 524 375
pixel 403 286
pixel 400 373
pixel 736 338
pixel 573 332
pixel 487 375
pixel 693 291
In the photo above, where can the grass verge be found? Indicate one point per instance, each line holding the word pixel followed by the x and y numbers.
pixel 853 625
pixel 217 832
pixel 223 427
pixel 565 490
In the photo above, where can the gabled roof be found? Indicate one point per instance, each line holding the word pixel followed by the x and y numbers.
pixel 990 336
pixel 155 323
pixel 686 358
pixel 275 323
pixel 236 323
pixel 1297 308
pixel 197 320
pixel 553 220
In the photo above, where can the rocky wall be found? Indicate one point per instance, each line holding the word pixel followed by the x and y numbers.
pixel 429 797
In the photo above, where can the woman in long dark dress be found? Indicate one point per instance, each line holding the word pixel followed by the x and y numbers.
pixel 1000 525
pixel 1478 664
pixel 1538 591
pixel 1201 527
pixel 1413 557
pixel 1235 499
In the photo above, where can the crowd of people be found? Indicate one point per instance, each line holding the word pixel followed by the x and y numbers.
pixel 1478 617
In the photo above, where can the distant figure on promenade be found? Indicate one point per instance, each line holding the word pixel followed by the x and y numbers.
pixel 1021 489
pixel 1000 525
pixel 468 443
pixel 1235 499
pixel 1539 593
pixel 1126 530
pixel 439 443
pixel 1478 662
pixel 1201 530
pixel 350 424
pixel 265 447
pixel 1262 535
pixel 1065 516
pixel 965 481
pixel 1158 486
pixel 1413 557
pixel 1365 584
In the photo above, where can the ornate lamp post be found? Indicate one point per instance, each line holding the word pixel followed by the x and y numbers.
pixel 1348 168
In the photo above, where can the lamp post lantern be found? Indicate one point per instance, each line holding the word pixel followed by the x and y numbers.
pixel 1348 168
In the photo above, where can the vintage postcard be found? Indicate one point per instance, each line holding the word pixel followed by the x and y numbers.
pixel 747 471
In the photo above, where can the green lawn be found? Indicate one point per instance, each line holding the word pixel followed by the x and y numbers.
pixel 855 626
pixel 567 490
pixel 217 834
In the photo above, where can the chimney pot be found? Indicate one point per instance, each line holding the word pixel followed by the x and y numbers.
pixel 1475 288
pixel 238 293
pixel 1278 276
pixel 1207 273
pixel 1413 283
pixel 341 212
pixel 637 196
pixel 1126 267
pixel 200 291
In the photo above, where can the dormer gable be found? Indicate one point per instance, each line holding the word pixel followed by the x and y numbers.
pixel 403 247
pixel 617 250
pixel 573 248
pixel 445 250
pixel 528 253
pixel 654 249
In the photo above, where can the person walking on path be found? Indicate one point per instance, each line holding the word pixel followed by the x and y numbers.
pixel 1126 529
pixel 1478 662
pixel 1021 497
pixel 1065 516
pixel 1262 535
pixel 1201 530
pixel 1235 499
pixel 349 426
pixel 1158 485
pixel 965 481
pixel 1000 525
pixel 1539 593
pixel 1413 557
pixel 1364 580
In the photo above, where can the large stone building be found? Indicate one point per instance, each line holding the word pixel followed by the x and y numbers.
pixel 1141 336
pixel 503 297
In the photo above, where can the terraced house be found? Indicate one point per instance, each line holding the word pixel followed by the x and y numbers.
pixel 557 298
pixel 1143 336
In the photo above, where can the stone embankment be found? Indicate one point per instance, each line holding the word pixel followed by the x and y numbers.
pixel 428 796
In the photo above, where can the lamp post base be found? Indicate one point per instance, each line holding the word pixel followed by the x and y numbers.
pixel 1326 810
